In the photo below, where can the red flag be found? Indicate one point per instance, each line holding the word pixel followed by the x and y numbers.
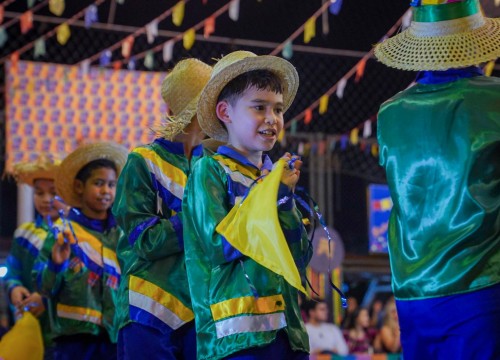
pixel 26 21
pixel 209 27
pixel 360 70
pixel 117 65
pixel 308 116
pixel 1 13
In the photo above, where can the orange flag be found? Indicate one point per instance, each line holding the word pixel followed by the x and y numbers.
pixel 360 70
pixel 209 27
pixel 308 116
pixel 127 46
pixel 26 21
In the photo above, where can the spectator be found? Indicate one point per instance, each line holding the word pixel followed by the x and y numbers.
pixel 352 306
pixel 360 336
pixel 324 338
pixel 376 315
pixel 389 337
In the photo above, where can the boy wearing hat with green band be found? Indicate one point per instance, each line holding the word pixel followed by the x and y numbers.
pixel 154 310
pixel 443 169
pixel 242 309
pixel 80 273
pixel 28 239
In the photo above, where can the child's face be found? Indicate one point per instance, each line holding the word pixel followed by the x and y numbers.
pixel 44 194
pixel 97 193
pixel 254 121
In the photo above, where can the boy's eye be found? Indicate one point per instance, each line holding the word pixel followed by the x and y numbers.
pixel 279 111
pixel 259 107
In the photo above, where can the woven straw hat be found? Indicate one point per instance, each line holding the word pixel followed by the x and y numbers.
pixel 451 34
pixel 42 168
pixel 74 162
pixel 181 90
pixel 228 68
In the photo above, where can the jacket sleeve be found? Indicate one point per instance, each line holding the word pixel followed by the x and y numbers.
pixel 15 266
pixel 204 206
pixel 138 211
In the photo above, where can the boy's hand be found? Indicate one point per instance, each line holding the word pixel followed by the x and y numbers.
pixel 61 249
pixel 290 177
pixel 33 304
pixel 18 294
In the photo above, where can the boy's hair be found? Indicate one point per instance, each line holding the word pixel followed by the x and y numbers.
pixel 261 79
pixel 310 305
pixel 86 171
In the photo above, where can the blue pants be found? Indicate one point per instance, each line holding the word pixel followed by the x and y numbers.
pixel 280 349
pixel 84 347
pixel 464 326
pixel 137 341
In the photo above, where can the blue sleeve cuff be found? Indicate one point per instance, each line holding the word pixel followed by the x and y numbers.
pixel 285 198
pixel 177 225
pixel 230 252
pixel 57 268
pixel 139 229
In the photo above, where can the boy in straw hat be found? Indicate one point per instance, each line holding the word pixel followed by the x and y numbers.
pixel 80 272
pixel 242 309
pixel 29 238
pixel 443 170
pixel 154 309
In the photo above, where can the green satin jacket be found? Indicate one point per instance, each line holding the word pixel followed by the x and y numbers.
pixel 440 147
pixel 154 289
pixel 29 239
pixel 238 304
pixel 84 288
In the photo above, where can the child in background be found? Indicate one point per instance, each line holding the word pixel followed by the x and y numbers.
pixel 242 309
pixel 80 273
pixel 154 307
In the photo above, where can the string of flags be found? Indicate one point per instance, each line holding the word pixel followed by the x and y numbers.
pixel 25 19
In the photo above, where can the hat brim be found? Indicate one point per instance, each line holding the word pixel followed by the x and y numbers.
pixel 207 117
pixel 175 124
pixel 31 177
pixel 74 162
pixel 406 51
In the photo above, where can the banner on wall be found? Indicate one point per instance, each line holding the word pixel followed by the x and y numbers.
pixel 379 211
pixel 53 108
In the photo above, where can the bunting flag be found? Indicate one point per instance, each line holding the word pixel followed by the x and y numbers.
pixel 406 21
pixel 121 2
pixel 56 7
pixel 367 129
pixel 234 10
pixel 281 135
pixel 2 13
pixel 117 65
pixel 341 87
pixel 488 68
pixel 85 67
pixel 91 16
pixel 189 38
pixel 287 51
pixel 325 25
pixel 335 7
pixel 63 33
pixel 105 58
pixel 354 136
pixel 39 48
pixel 149 60
pixel 308 116
pixel 323 104
pixel 168 50
pixel 374 150
pixel 30 3
pixel 152 31
pixel 127 45
pixel 3 36
pixel 131 64
pixel 293 127
pixel 309 29
pixel 256 218
pixel 209 27
pixel 360 70
pixel 26 21
pixel 178 13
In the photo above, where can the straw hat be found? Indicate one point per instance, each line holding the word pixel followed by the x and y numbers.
pixel 181 90
pixel 42 168
pixel 74 162
pixel 228 68
pixel 452 34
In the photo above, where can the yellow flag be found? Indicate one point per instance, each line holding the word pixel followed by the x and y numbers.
pixel 309 29
pixel 254 229
pixel 63 34
pixel 281 135
pixel 23 341
pixel 354 136
pixel 323 104
pixel 178 13
pixel 56 7
pixel 488 69
pixel 188 39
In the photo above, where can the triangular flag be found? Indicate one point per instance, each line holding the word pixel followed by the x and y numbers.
pixel 406 21
pixel 293 127
pixel 105 58
pixel 26 21
pixel 56 7
pixel 360 70
pixel 131 63
pixel 234 10
pixel 209 27
pixel 323 104
pixel 2 13
pixel 178 13
pixel 354 136
pixel 149 60
pixel 258 216
pixel 341 87
pixel 325 26
pixel 90 16
pixel 152 31
pixel 168 50
pixel 287 51
pixel 188 39
pixel 39 48
pixel 367 129
pixel 3 36
pixel 30 3
pixel 14 58
pixel 85 67
pixel 63 34
pixel 117 65
pixel 308 115
pixel 309 29
pixel 488 68
pixel 343 142
pixel 127 46
pixel 374 150
pixel 335 6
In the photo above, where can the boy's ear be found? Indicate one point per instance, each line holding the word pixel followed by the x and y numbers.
pixel 222 111
pixel 78 186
